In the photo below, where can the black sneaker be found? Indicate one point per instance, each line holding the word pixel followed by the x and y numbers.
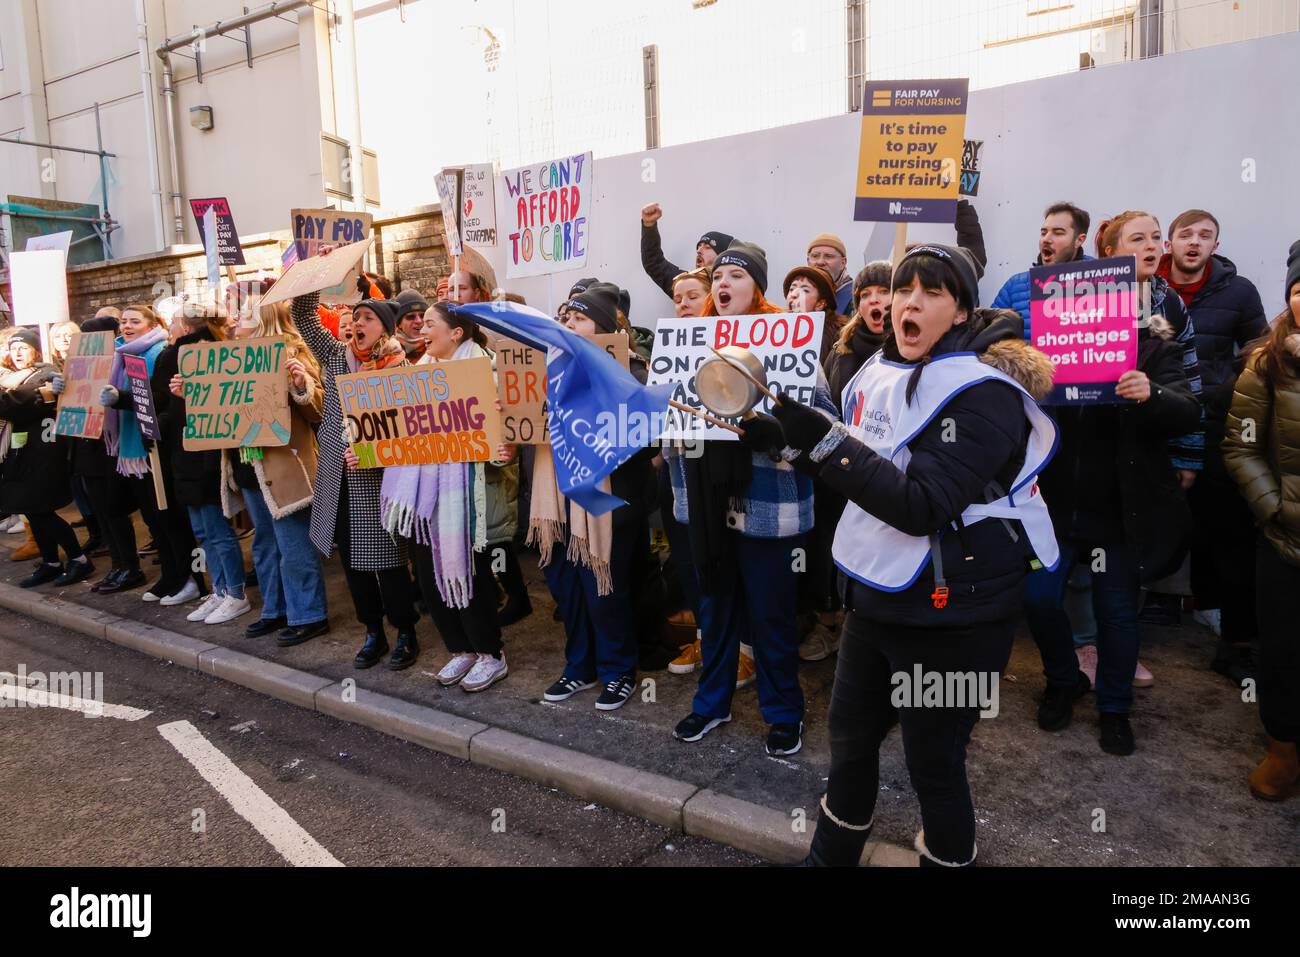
pixel 375 647
pixel 406 652
pixel 785 738
pixel 264 626
pixel 695 726
pixel 297 634
pixel 127 580
pixel 566 688
pixel 1116 734
pixel 616 693
pixel 78 570
pixel 1057 707
pixel 43 573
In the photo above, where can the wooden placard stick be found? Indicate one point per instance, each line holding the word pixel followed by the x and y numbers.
pixel 155 465
pixel 900 242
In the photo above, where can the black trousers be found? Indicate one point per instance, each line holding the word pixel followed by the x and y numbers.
pixel 1223 556
pixel 52 532
pixel 935 735
pixel 512 576
pixel 172 533
pixel 375 593
pixel 117 530
pixel 472 630
pixel 1278 583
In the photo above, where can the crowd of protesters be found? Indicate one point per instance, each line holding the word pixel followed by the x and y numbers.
pixel 925 549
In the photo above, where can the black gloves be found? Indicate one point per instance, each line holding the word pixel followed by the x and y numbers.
pixel 762 433
pixel 804 427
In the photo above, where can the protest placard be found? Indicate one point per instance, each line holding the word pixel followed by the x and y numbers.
pixel 86 371
pixel 318 272
pixel 1083 316
pixel 427 414
pixel 229 251
pixel 137 378
pixel 970 167
pixel 236 393
pixel 787 344
pixel 334 227
pixel 521 384
pixel 447 183
pixel 910 151
pixel 478 206
pixel 39 282
pixel 61 241
pixel 549 219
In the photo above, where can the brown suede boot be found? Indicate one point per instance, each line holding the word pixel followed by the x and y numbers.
pixel 1277 774
pixel 27 550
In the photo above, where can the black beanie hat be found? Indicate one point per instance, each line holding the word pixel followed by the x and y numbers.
pixel 409 300
pixel 719 241
pixel 599 303
pixel 961 261
pixel 385 309
pixel 878 272
pixel 1292 270
pixel 582 285
pixel 28 335
pixel 748 257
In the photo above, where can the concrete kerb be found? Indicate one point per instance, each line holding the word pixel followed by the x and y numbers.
pixel 666 801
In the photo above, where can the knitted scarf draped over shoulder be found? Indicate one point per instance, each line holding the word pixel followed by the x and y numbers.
pixel 122 435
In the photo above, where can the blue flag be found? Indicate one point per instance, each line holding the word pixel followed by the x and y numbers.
pixel 600 416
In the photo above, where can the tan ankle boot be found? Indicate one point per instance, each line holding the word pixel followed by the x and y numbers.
pixel 28 549
pixel 1277 773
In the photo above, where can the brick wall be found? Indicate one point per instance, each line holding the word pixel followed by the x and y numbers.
pixel 409 249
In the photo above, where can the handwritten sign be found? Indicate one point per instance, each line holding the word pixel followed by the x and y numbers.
pixel 521 385
pixel 1083 316
pixel 85 372
pixel 550 215
pixel 912 137
pixel 788 345
pixel 318 272
pixel 236 393
pixel 229 251
pixel 478 206
pixel 447 183
pixel 335 227
pixel 427 414
pixel 137 377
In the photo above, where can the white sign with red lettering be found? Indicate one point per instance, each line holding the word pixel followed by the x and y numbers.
pixel 788 345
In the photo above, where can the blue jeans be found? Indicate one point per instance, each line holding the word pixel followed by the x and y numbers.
pixel 288 566
pixel 1116 595
pixel 220 549
pixel 756 604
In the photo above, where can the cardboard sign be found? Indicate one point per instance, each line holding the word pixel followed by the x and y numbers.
pixel 970 167
pixel 39 283
pixel 788 344
pixel 313 228
pixel 137 377
pixel 319 273
pixel 85 373
pixel 427 414
pixel 447 184
pixel 521 385
pixel 61 241
pixel 478 206
pixel 236 393
pixel 550 215
pixel 911 148
pixel 228 249
pixel 1084 317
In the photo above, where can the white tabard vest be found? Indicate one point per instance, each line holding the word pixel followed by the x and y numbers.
pixel 877 414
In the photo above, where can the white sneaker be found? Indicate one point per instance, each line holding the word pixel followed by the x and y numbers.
pixel 1211 619
pixel 229 609
pixel 487 672
pixel 206 607
pixel 456 669
pixel 188 593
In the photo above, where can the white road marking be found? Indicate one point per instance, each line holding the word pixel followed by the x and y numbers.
pixel 31 697
pixel 248 800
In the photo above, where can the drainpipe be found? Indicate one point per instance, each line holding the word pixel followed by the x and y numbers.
pixel 164 49
pixel 150 122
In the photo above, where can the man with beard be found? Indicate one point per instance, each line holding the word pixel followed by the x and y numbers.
pixel 1228 314
pixel 1060 240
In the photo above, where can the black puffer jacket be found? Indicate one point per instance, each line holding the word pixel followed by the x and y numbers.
pixel 944 477
pixel 196 476
pixel 1111 481
pixel 34 478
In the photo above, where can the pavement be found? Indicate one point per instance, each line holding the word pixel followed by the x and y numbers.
pixel 1041 799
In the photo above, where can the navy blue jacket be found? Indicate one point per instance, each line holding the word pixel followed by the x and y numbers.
pixel 1014 293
